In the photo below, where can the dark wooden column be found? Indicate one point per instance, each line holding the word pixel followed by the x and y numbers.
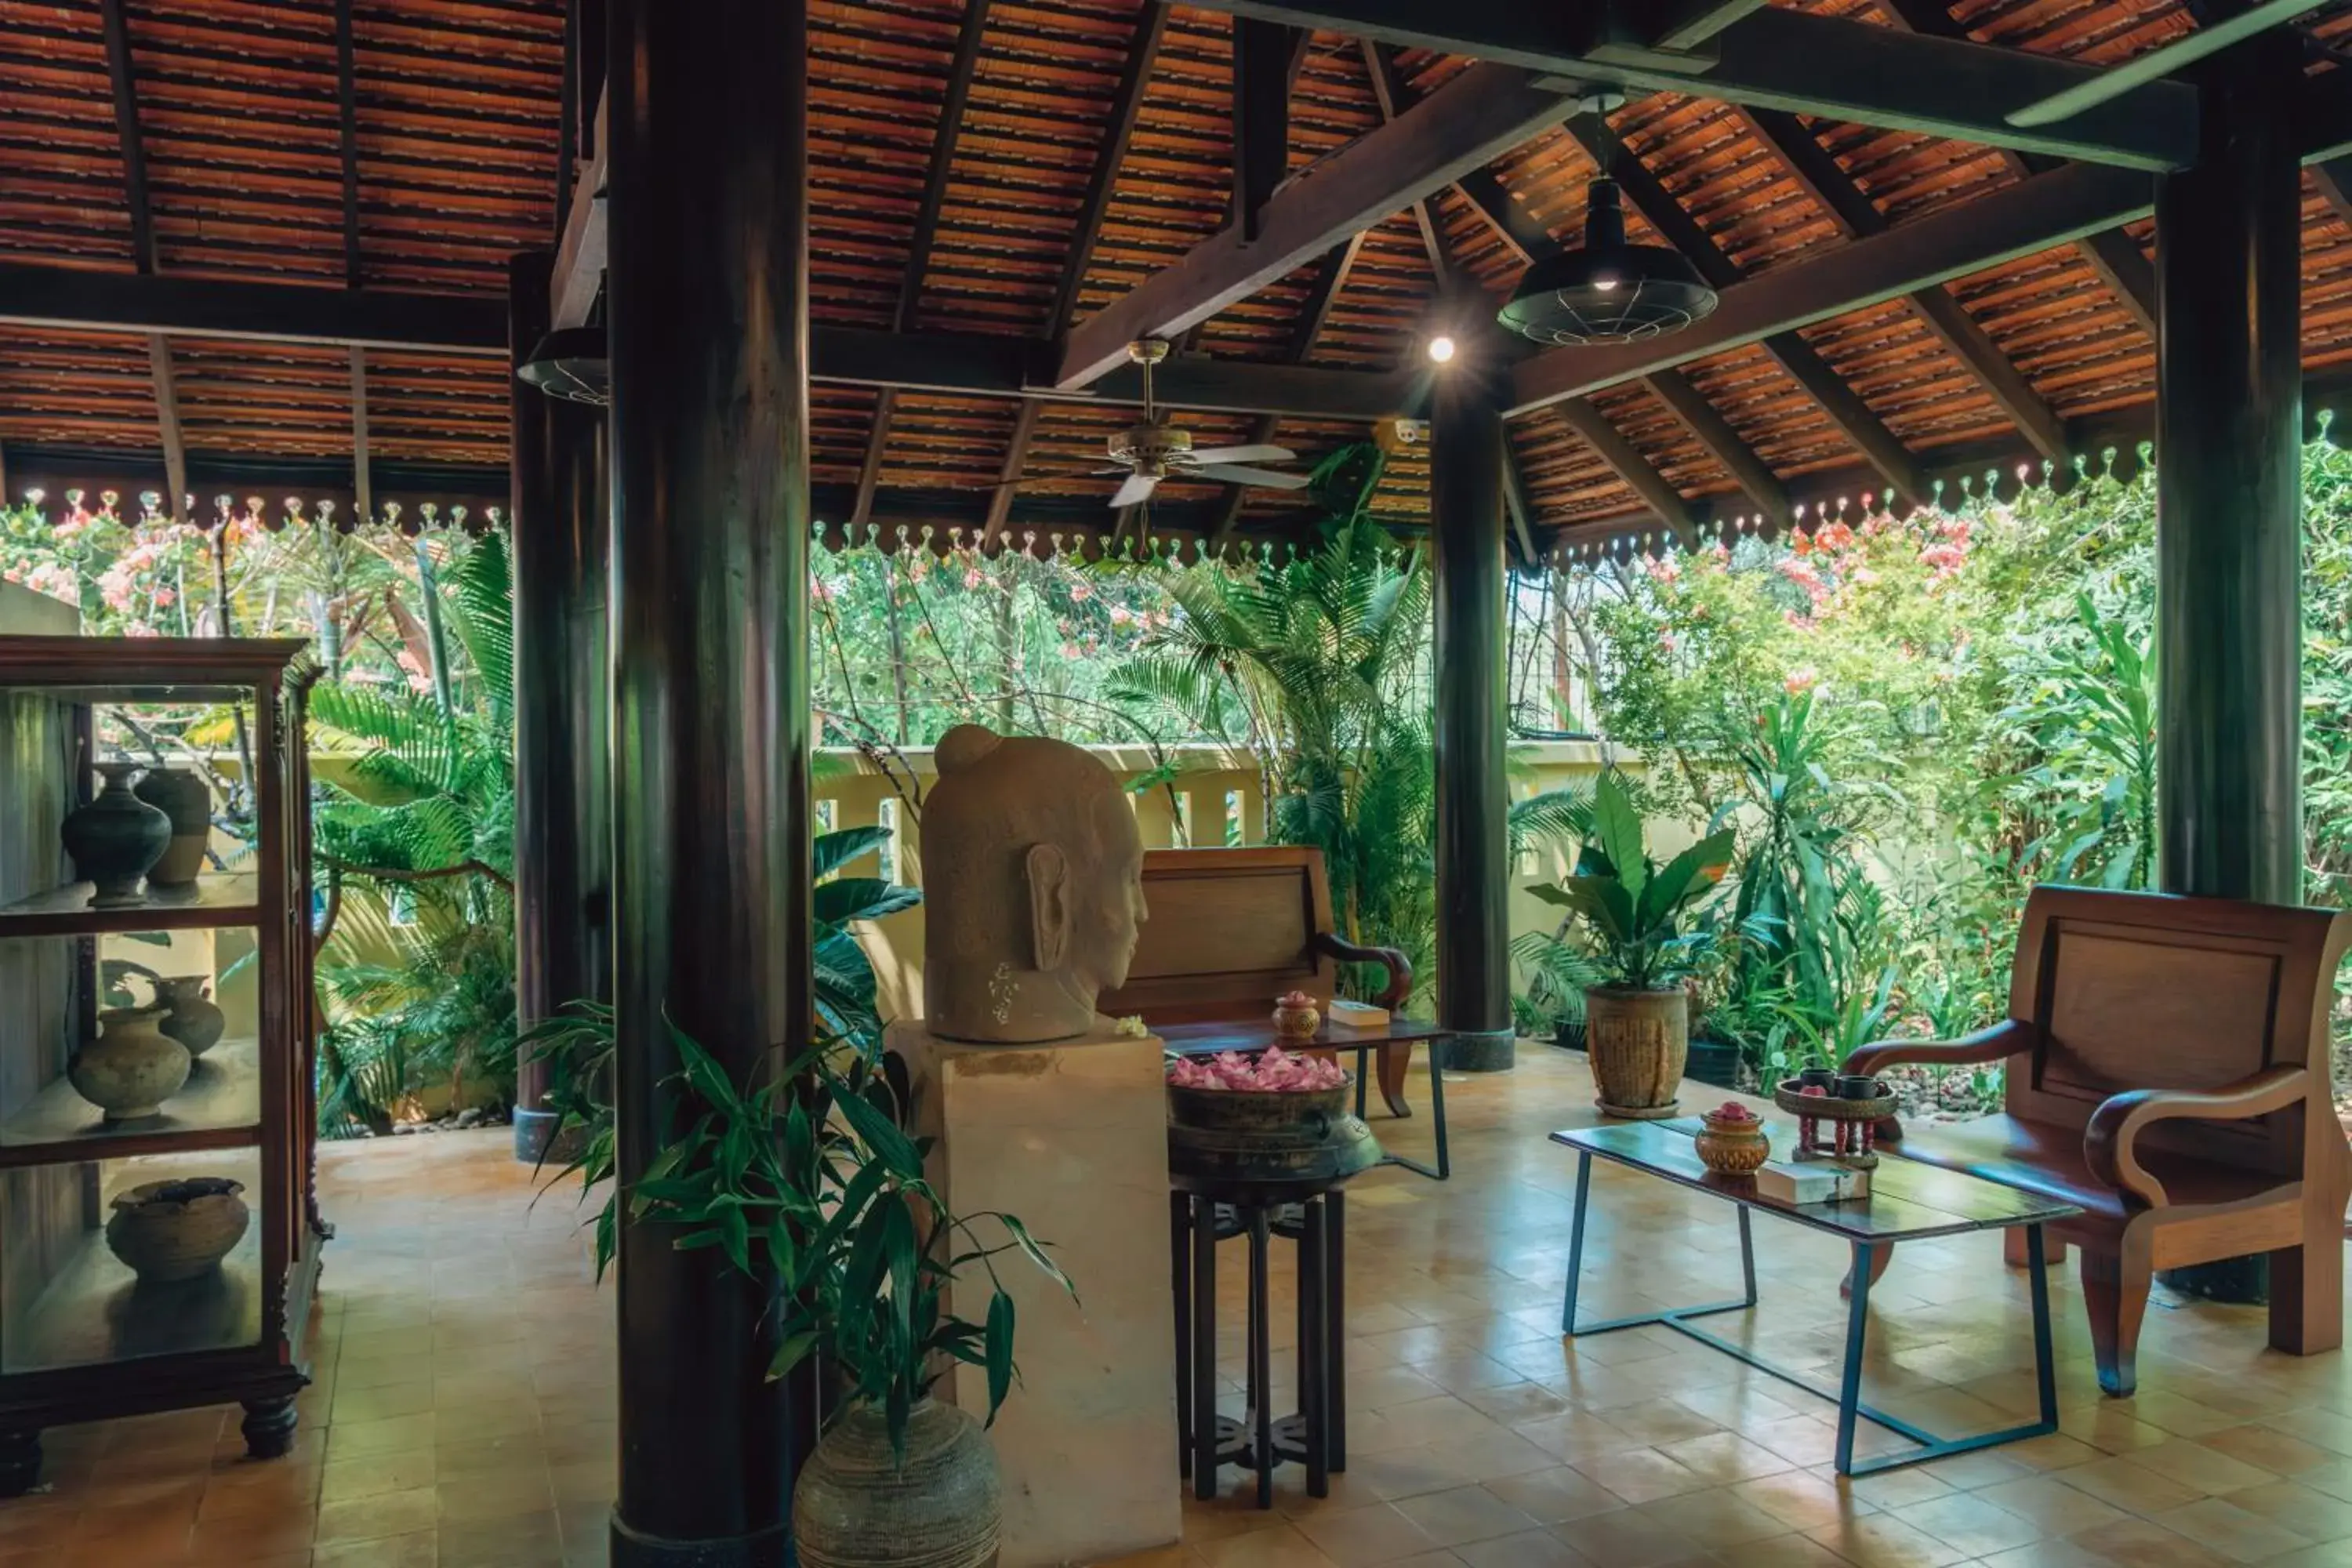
pixel 707 314
pixel 2229 425
pixel 1465 525
pixel 563 850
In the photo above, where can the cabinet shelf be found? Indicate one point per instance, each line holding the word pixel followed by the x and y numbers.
pixel 218 1108
pixel 218 899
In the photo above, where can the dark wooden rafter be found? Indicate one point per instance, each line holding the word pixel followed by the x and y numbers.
pixel 2114 255
pixel 2032 215
pixel 1008 478
pixel 1481 113
pixel 1331 278
pixel 347 107
pixel 1865 430
pixel 1657 491
pixel 1754 476
pixel 363 458
pixel 1687 24
pixel 960 72
pixel 1265 60
pixel 1834 190
pixel 582 242
pixel 1774 58
pixel 123 77
pixel 1390 91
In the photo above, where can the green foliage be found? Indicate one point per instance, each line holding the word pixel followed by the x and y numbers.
pixel 1637 913
pixel 1318 666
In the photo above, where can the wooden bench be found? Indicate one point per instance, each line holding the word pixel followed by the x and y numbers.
pixel 1228 931
pixel 2167 1073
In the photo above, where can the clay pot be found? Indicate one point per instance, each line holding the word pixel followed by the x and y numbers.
pixel 1733 1148
pixel 194 1019
pixel 166 1231
pixel 182 797
pixel 132 1067
pixel 1293 1142
pixel 1638 1042
pixel 1293 1022
pixel 115 838
pixel 857 1506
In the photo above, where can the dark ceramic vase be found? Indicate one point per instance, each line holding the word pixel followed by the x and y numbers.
pixel 115 838
pixel 196 1020
pixel 183 797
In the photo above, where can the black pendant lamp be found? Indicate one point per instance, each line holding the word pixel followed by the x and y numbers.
pixel 571 363
pixel 1608 291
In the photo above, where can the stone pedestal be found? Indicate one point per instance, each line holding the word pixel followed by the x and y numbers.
pixel 1071 1137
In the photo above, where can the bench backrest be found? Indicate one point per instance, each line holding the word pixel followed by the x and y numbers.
pixel 2154 990
pixel 1228 931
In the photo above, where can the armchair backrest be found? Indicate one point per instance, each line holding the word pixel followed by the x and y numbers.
pixel 1229 931
pixel 2130 990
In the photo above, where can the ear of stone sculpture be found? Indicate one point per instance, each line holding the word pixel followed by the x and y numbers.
pixel 1049 905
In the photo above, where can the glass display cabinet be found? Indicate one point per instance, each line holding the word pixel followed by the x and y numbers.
pixel 159 1227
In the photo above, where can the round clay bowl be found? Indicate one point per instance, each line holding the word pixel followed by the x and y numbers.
pixel 167 1231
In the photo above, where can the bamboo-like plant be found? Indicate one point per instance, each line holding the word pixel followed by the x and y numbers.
pixel 1637 913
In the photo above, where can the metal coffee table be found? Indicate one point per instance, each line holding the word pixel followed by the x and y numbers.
pixel 1907 1203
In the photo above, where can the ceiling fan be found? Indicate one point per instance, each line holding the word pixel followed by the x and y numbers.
pixel 1155 451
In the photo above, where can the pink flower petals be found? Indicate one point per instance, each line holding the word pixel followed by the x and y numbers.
pixel 1276 1071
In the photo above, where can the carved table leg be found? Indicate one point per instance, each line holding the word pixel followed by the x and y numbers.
pixel 1396 1058
pixel 20 1462
pixel 268 1427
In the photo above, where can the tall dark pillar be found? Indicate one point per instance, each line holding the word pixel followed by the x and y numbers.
pixel 2229 625
pixel 707 315
pixel 2229 493
pixel 1466 527
pixel 563 850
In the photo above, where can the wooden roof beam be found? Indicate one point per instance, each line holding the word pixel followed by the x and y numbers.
pixel 1389 92
pixel 961 69
pixel 1754 476
pixel 124 81
pixel 1814 375
pixel 167 429
pixel 363 459
pixel 1008 478
pixel 222 308
pixel 1126 103
pixel 1772 58
pixel 579 275
pixel 1609 443
pixel 1473 118
pixel 346 107
pixel 1265 59
pixel 1835 191
pixel 2032 215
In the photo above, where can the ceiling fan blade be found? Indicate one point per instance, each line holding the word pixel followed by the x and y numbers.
pixel 1265 478
pixel 1138 488
pixel 1242 455
pixel 2140 69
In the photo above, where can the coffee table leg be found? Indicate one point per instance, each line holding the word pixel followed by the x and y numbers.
pixel 1747 1255
pixel 1438 1109
pixel 1856 1323
pixel 2045 1374
pixel 1576 1240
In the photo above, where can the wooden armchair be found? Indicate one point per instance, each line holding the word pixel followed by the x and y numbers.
pixel 1230 930
pixel 2169 1073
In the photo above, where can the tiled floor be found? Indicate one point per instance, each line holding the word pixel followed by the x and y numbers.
pixel 463 1412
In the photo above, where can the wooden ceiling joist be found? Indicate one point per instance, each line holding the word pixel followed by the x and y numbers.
pixel 1862 429
pixel 167 429
pixel 269 313
pixel 1388 93
pixel 2032 215
pixel 347 129
pixel 363 454
pixel 1110 155
pixel 1859 72
pixel 1834 190
pixel 1481 113
pixel 957 94
pixel 1753 474
pixel 1265 58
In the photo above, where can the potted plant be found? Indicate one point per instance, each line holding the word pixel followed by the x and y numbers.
pixel 1640 917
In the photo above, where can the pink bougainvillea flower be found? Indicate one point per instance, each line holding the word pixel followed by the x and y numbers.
pixel 1276 1071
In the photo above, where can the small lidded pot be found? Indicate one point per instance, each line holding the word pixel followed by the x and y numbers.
pixel 1296 1016
pixel 1732 1141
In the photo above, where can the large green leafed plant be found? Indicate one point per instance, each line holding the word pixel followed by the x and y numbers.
pixel 1636 912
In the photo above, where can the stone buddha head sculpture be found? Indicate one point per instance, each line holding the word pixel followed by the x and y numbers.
pixel 1033 888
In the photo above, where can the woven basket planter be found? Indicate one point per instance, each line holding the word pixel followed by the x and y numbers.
pixel 1638 1043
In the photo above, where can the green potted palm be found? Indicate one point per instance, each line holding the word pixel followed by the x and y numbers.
pixel 1642 923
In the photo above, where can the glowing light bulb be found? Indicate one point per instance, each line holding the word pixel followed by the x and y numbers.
pixel 1440 349
pixel 1605 285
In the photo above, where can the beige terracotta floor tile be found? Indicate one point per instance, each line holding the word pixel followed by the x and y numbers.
pixel 1555 1495
pixel 1463 1513
pixel 1974 1526
pixel 1529 1549
pixel 2239 1535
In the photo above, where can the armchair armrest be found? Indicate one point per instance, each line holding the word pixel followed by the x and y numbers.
pixel 2114 1126
pixel 1399 966
pixel 2005 1038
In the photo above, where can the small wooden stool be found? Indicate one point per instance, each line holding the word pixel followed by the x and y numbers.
pixel 1317 1435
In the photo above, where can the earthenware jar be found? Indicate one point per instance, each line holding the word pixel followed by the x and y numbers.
pixel 1296 1016
pixel 194 1020
pixel 857 1506
pixel 115 838
pixel 182 797
pixel 1637 1044
pixel 1294 1142
pixel 132 1067
pixel 166 1231
pixel 1733 1145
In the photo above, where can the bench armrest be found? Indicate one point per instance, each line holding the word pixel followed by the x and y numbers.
pixel 2005 1038
pixel 2114 1126
pixel 1399 966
